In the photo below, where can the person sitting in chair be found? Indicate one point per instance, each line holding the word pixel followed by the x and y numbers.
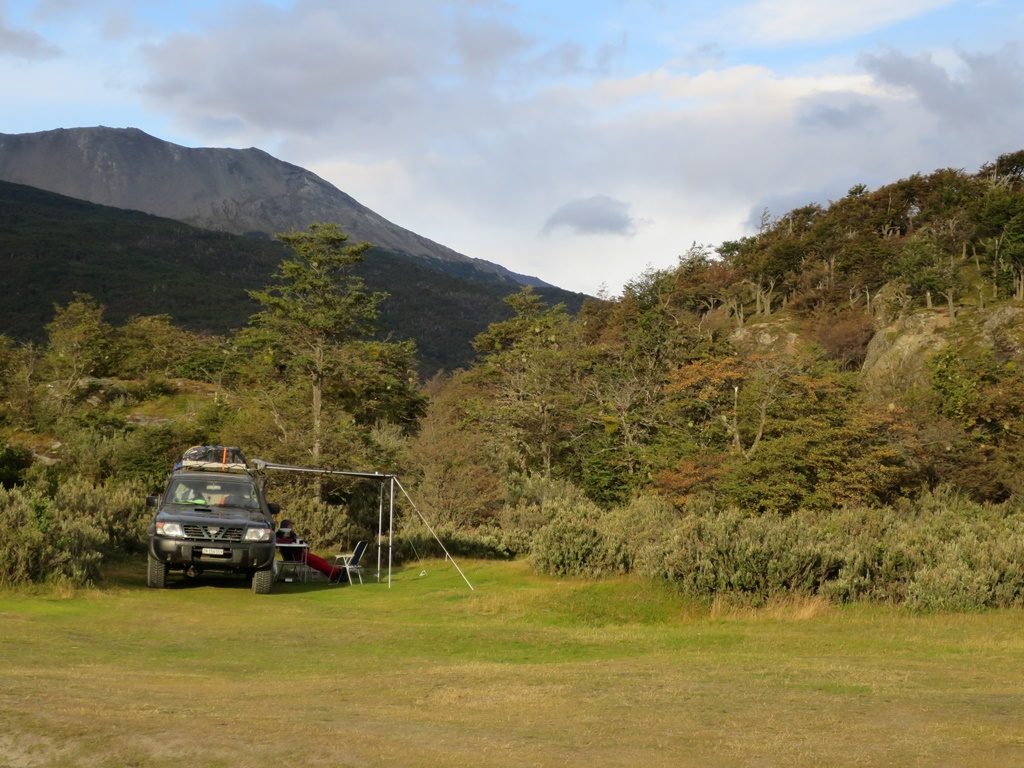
pixel 286 535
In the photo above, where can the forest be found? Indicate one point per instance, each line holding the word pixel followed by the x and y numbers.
pixel 831 406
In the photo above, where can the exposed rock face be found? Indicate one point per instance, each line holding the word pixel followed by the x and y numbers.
pixel 774 337
pixel 896 356
pixel 242 191
pixel 1003 331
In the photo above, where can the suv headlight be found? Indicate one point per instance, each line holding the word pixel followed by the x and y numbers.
pixel 257 534
pixel 169 529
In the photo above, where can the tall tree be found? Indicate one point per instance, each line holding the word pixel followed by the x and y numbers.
pixel 530 371
pixel 316 304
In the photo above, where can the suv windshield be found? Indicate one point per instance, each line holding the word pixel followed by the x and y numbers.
pixel 214 492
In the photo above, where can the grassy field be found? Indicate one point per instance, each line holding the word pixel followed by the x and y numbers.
pixel 525 671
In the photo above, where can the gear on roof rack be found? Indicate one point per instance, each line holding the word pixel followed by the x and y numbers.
pixel 213 457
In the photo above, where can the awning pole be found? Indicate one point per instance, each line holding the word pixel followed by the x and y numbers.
pixel 391 524
pixel 380 530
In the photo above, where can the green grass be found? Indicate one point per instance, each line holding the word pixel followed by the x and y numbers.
pixel 524 671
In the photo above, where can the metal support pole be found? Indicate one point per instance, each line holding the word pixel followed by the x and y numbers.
pixel 391 524
pixel 380 529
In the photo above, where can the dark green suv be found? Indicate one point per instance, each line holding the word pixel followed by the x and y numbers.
pixel 212 516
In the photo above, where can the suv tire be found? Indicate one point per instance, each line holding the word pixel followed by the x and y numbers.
pixel 156 573
pixel 262 581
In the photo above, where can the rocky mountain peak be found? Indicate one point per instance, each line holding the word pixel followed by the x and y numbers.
pixel 242 191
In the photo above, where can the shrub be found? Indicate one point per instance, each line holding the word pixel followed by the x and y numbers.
pixel 326 527
pixel 636 532
pixel 533 501
pixel 21 540
pixel 753 557
pixel 971 558
pixel 116 509
pixel 942 552
pixel 414 541
pixel 572 543
pixel 73 548
pixel 845 337
pixel 65 535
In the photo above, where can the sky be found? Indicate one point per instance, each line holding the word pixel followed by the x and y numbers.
pixel 581 142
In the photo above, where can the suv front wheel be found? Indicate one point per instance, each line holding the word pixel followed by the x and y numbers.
pixel 156 573
pixel 262 581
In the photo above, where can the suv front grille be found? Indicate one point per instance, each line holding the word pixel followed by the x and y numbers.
pixel 212 532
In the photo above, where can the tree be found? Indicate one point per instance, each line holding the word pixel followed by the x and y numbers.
pixel 1012 254
pixel 932 261
pixel 316 305
pixel 18 369
pixel 79 346
pixel 1009 166
pixel 531 377
pixel 772 435
pixel 151 344
pixel 380 384
pixel 772 257
pixel 459 477
pixel 969 424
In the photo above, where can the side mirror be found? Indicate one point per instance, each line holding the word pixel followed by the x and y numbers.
pixel 275 509
pixel 152 501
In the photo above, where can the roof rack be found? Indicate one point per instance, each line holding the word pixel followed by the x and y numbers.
pixel 214 458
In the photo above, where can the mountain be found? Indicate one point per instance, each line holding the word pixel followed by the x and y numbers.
pixel 139 264
pixel 241 191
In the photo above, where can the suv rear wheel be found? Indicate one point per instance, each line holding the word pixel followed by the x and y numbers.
pixel 156 573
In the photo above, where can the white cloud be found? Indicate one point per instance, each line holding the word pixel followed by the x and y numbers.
pixel 777 22
pixel 456 121
pixel 354 70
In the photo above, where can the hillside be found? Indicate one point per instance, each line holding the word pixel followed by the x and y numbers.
pixel 830 409
pixel 135 263
pixel 848 354
pixel 241 191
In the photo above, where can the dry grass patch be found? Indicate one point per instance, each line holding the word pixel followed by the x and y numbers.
pixel 780 608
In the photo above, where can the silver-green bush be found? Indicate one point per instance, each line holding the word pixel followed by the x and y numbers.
pixel 940 552
pixel 66 534
pixel 21 539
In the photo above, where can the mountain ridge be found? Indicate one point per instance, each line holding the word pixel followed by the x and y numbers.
pixel 135 263
pixel 241 191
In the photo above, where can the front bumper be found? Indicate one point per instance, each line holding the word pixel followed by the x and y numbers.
pixel 218 556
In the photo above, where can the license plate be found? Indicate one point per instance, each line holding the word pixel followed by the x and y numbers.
pixel 213 551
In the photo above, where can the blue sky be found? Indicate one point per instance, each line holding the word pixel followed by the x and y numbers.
pixel 576 141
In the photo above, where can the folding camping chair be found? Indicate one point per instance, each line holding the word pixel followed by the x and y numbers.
pixel 350 563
